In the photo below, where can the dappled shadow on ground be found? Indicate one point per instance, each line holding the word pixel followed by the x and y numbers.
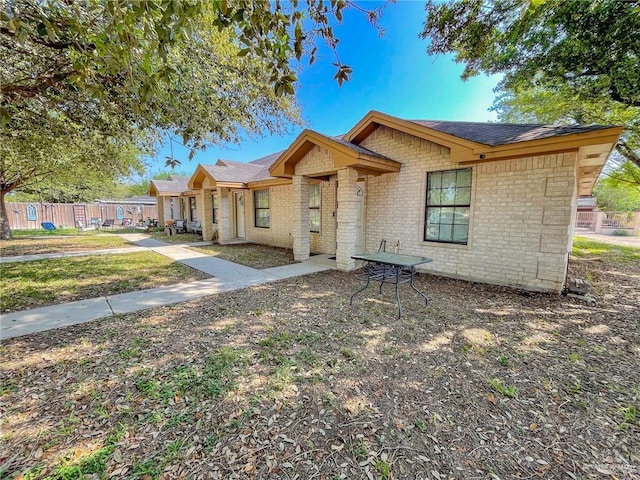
pixel 288 379
pixel 250 254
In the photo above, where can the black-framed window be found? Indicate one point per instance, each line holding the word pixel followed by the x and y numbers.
pixel 448 206
pixel 193 213
pixel 314 207
pixel 214 205
pixel 261 208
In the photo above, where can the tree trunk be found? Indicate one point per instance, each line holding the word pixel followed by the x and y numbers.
pixel 5 229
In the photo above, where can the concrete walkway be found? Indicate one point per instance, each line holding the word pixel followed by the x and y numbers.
pixel 227 276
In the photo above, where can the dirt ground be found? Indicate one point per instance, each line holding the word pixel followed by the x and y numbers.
pixel 287 380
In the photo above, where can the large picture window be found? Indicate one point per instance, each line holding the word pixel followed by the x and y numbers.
pixel 314 208
pixel 261 206
pixel 448 206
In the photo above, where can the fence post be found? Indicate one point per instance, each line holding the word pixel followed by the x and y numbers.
pixel 598 225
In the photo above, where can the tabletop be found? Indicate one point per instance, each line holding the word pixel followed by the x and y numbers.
pixel 397 259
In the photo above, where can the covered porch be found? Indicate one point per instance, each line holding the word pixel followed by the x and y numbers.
pixel 314 158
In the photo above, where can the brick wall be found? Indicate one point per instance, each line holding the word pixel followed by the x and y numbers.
pixel 521 211
pixel 279 233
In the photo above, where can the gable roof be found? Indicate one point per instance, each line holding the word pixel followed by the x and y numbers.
pixel 235 174
pixel 345 154
pixel 175 184
pixel 472 142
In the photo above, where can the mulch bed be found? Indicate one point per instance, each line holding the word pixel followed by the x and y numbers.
pixel 287 380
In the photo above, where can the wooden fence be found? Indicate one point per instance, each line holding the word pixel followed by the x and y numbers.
pixel 29 216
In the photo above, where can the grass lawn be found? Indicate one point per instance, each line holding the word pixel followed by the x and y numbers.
pixel 45 282
pixel 287 380
pixel 179 238
pixel 584 247
pixel 250 254
pixel 54 244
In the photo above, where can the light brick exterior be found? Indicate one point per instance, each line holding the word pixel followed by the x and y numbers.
pixel 301 245
pixel 225 216
pixel 280 231
pixel 347 213
pixel 521 211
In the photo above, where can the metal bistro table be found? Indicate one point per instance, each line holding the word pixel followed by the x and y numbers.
pixel 391 268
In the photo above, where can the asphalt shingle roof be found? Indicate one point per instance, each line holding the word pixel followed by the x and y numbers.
pixel 176 183
pixel 494 134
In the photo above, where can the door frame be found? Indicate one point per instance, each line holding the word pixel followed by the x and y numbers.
pixel 239 197
pixel 361 195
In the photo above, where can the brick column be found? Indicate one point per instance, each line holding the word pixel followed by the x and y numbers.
pixel 160 207
pixel 300 232
pixel 224 216
pixel 206 215
pixel 347 214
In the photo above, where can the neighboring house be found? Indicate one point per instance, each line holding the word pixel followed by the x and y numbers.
pixel 489 202
pixel 587 204
pixel 172 195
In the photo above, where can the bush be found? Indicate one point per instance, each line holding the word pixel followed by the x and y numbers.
pixel 621 233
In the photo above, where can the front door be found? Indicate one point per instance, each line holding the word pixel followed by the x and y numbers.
pixel 239 207
pixel 360 216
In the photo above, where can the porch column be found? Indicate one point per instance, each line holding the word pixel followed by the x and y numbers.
pixel 300 218
pixel 224 216
pixel 160 208
pixel 347 215
pixel 206 215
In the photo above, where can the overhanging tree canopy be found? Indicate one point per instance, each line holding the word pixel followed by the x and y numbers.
pixel 126 71
pixel 592 46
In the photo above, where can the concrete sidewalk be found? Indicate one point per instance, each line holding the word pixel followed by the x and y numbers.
pixel 227 276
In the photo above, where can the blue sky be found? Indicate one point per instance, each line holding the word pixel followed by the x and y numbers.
pixel 392 74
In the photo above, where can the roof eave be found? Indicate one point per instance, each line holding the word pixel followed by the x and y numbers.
pixel 343 156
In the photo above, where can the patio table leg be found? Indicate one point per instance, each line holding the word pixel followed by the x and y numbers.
pixel 398 270
pixel 363 288
pixel 384 275
pixel 426 299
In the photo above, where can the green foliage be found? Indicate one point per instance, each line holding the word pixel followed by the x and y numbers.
pixel 563 63
pixel 214 379
pixel 590 46
pixel 619 190
pixel 500 387
pixel 85 90
pixel 629 414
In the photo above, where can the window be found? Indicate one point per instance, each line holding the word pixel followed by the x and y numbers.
pixel 193 214
pixel 214 203
pixel 314 208
pixel 261 206
pixel 119 213
pixel 448 206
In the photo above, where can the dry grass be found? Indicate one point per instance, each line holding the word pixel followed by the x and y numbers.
pixel 286 380
pixel 250 254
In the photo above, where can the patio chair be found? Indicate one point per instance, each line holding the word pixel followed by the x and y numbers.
pixel 180 226
pixel 196 227
pixel 48 226
pixel 375 268
pixel 108 223
pixel 127 222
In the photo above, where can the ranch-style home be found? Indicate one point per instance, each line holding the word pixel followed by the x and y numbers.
pixel 489 202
